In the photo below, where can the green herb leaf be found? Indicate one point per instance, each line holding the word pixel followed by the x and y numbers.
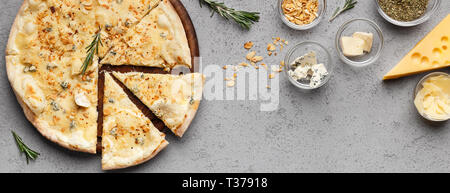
pixel 244 18
pixel 92 49
pixel 29 153
pixel 349 4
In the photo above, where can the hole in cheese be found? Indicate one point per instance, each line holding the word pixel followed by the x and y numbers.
pixel 425 61
pixel 416 58
pixel 444 39
pixel 437 53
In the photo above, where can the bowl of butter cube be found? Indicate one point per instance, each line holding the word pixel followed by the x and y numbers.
pixel 359 42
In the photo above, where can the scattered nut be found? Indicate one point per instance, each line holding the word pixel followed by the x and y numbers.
pixel 265 66
pixel 271 47
pixel 243 64
pixel 271 75
pixel 250 55
pixel 257 59
pixel 248 45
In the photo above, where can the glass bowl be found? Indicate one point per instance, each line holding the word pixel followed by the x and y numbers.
pixel 321 12
pixel 322 55
pixel 360 25
pixel 419 86
pixel 433 5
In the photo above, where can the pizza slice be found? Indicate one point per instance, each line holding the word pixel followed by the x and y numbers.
pixel 129 137
pixel 158 40
pixel 62 108
pixel 41 25
pixel 44 71
pixel 172 98
pixel 115 18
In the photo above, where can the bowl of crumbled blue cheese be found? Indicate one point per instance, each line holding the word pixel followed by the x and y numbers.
pixel 308 65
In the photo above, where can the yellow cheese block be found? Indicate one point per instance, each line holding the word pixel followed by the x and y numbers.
pixel 430 53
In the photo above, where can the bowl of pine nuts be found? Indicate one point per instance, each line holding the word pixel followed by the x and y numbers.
pixel 301 14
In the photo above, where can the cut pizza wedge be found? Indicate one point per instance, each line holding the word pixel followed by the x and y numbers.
pixel 172 98
pixel 129 137
pixel 116 17
pixel 158 40
pixel 62 108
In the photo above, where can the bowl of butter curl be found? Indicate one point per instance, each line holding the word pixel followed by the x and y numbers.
pixel 432 97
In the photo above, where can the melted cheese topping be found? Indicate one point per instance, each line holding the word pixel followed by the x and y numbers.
pixel 158 40
pixel 128 135
pixel 171 98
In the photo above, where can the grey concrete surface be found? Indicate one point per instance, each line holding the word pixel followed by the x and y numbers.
pixel 356 123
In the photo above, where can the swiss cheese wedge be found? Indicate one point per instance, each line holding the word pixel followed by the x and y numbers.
pixel 159 40
pixel 432 52
pixel 172 98
pixel 129 137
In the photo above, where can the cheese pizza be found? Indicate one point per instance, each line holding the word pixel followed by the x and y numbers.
pixel 57 84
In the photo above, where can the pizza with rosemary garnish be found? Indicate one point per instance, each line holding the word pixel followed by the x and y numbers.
pixel 54 54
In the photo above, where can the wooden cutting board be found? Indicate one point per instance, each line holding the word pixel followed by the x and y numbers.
pixel 195 52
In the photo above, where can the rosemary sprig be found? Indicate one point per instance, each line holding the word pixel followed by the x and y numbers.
pixel 244 18
pixel 29 153
pixel 91 50
pixel 349 4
